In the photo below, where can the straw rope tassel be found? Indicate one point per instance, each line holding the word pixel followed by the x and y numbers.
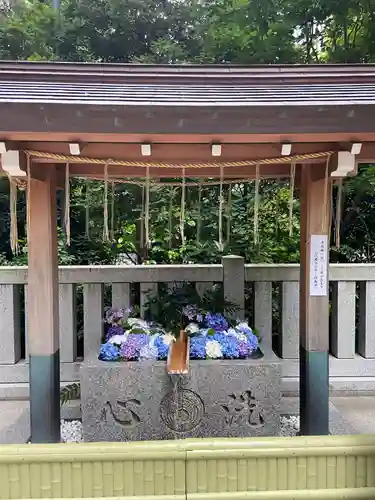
pixel 67 204
pixel 170 215
pixel 105 203
pixel 87 210
pixel 256 205
pixel 112 210
pixel 142 230
pixel 221 200
pixel 325 200
pixel 338 213
pixel 147 208
pixel 199 217
pixel 291 195
pixel 182 215
pixel 13 216
pixel 229 213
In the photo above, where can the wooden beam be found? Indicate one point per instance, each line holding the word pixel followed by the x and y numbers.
pixel 314 301
pixel 43 310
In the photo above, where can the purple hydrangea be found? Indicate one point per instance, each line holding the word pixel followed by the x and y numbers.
pixel 192 313
pixel 243 350
pixel 162 347
pixel 134 343
pixel 114 330
pixel 114 315
pixel 198 347
pixel 217 322
pixel 108 352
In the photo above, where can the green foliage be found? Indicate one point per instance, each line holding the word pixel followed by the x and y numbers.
pixel 166 308
pixel 69 393
pixel 193 31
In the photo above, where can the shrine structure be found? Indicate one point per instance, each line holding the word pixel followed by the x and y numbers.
pixel 197 122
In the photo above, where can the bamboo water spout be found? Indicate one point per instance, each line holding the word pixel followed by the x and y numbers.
pixel 178 356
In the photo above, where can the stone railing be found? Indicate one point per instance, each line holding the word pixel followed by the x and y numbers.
pixel 268 294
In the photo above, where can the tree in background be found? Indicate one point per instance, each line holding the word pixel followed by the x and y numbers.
pixel 193 31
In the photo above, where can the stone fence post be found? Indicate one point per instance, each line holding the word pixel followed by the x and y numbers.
pixel 234 282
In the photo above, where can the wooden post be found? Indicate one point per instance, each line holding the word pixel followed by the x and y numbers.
pixel 43 309
pixel 314 300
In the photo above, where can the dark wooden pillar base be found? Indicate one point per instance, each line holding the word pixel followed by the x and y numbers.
pixel 314 393
pixel 45 398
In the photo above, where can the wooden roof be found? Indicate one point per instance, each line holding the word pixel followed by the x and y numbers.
pixel 111 108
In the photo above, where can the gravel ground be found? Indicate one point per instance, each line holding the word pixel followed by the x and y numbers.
pixel 71 430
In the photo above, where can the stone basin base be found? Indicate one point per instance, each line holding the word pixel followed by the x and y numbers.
pixel 135 401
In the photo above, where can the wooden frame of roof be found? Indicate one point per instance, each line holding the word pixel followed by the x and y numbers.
pixel 135 103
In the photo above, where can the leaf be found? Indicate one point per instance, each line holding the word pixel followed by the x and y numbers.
pixel 70 392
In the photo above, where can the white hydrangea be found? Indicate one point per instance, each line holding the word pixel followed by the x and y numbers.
pixel 241 337
pixel 192 328
pixel 138 323
pixel 213 349
pixel 118 339
pixel 168 338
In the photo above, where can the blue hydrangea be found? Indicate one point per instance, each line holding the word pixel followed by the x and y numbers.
pixel 108 352
pixel 230 348
pixel 253 342
pixel 217 322
pixel 229 345
pixel 161 347
pixel 114 330
pixel 198 347
pixel 244 328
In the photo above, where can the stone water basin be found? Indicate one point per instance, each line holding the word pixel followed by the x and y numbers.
pixel 135 401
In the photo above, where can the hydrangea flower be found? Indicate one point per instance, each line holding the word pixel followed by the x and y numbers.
pixel 198 347
pixel 244 328
pixel 192 313
pixel 213 349
pixel 108 352
pixel 253 342
pixel 118 339
pixel 114 330
pixel 162 347
pixel 114 315
pixel 192 328
pixel 217 322
pixel 168 338
pixel 232 332
pixel 131 348
pixel 243 349
pixel 138 324
pixel 229 346
pixel 204 332
pixel 148 352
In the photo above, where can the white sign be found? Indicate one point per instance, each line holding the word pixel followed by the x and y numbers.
pixel 318 265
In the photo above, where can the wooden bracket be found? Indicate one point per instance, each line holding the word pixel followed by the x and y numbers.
pixel 343 164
